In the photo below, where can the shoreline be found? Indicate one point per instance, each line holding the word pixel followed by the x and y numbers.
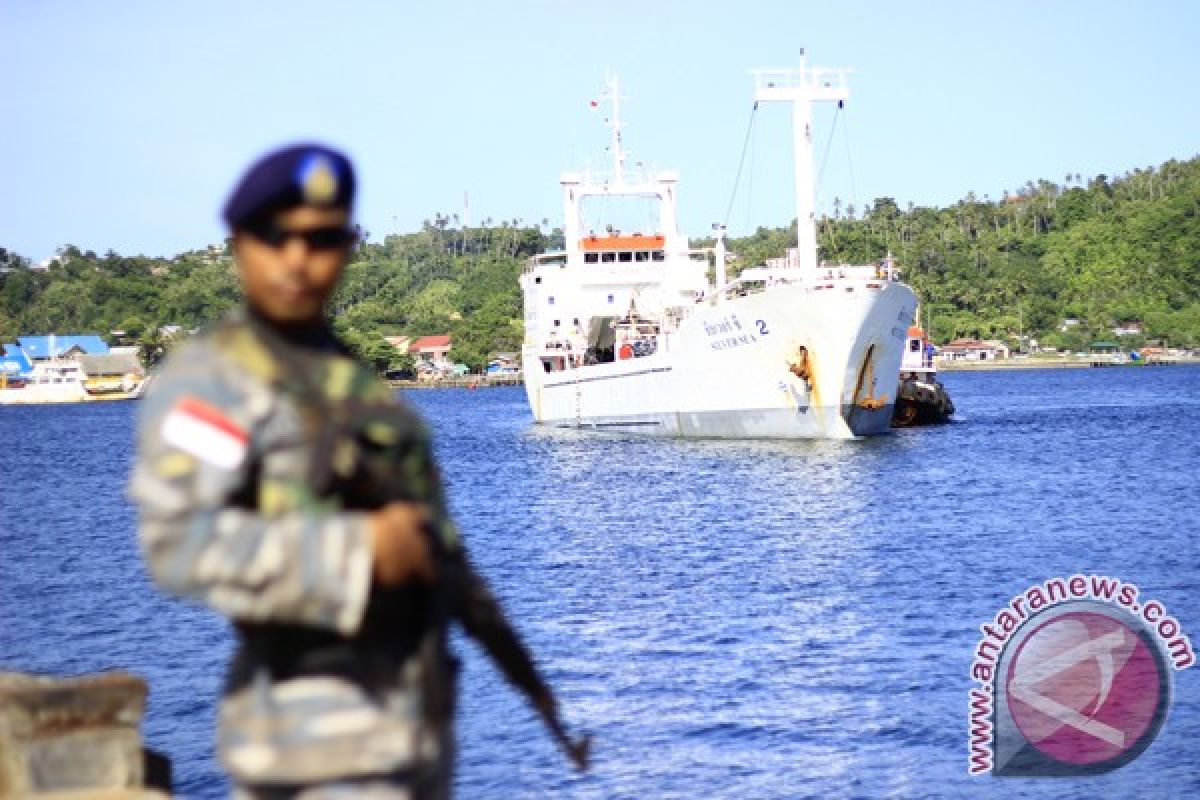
pixel 480 382
pixel 1058 363
pixel 466 382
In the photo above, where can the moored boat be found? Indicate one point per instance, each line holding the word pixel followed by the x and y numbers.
pixel 53 381
pixel 921 399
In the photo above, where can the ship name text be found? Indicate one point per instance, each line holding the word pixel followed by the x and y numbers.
pixel 727 332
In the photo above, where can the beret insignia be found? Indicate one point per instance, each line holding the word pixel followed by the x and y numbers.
pixel 318 181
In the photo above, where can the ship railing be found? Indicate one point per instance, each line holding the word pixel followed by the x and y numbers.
pixel 553 259
pixel 882 271
pixel 742 287
pixel 922 366
pixel 567 344
pixel 875 276
pixel 641 179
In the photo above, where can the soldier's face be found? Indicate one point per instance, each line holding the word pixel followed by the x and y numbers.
pixel 290 270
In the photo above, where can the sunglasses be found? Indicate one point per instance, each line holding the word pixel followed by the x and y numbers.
pixel 332 237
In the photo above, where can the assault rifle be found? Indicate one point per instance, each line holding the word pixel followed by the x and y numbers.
pixel 458 591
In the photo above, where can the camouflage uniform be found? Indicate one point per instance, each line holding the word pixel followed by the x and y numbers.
pixel 251 449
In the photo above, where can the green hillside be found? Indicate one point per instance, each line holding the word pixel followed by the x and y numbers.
pixel 1106 252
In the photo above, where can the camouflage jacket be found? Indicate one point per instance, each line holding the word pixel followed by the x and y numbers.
pixel 249 445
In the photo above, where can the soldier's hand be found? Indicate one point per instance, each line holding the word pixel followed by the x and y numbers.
pixel 399 544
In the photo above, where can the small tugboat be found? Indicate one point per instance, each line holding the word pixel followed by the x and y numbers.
pixel 921 399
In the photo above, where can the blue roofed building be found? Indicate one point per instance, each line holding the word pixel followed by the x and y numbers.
pixel 40 348
pixel 14 363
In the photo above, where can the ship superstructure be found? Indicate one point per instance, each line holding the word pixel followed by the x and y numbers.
pixel 626 331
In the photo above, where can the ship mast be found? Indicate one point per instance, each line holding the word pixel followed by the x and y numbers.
pixel 577 187
pixel 613 94
pixel 802 88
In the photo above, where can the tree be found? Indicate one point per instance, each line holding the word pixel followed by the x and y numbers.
pixel 405 364
pixel 469 352
pixel 152 346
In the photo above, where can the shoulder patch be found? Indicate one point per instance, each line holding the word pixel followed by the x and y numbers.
pixel 246 350
pixel 175 465
pixel 205 432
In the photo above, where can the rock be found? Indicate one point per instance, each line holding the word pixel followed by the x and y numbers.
pixel 59 734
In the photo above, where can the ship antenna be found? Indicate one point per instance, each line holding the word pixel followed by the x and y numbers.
pixel 614 123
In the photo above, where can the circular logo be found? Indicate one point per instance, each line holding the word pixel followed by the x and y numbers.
pixel 1088 688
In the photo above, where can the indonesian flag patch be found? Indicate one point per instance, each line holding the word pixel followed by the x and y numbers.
pixel 203 431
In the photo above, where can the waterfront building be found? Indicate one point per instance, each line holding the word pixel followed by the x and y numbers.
pixel 973 350
pixel 51 346
pixel 433 351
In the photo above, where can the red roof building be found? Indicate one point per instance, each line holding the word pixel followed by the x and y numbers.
pixel 432 349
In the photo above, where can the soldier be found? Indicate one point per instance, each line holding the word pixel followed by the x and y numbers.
pixel 282 484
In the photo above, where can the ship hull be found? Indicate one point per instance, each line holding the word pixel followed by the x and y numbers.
pixel 793 362
pixel 37 394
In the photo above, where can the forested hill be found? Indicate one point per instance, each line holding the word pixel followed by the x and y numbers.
pixel 1104 252
pixel 439 280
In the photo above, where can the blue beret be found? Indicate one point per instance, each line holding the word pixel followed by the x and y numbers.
pixel 302 174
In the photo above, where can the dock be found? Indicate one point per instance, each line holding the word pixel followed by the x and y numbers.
pixel 461 382
pixel 1082 362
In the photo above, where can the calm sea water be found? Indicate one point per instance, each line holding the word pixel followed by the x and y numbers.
pixel 730 619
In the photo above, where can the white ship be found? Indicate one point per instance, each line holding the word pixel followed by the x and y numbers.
pixel 54 381
pixel 625 332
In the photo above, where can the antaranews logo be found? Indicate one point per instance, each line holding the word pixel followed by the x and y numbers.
pixel 1073 679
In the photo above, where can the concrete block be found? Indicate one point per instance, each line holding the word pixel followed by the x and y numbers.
pixel 70 733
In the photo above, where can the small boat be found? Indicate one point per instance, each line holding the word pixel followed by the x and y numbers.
pixel 114 387
pixel 921 399
pixel 52 381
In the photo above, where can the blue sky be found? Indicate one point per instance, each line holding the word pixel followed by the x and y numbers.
pixel 126 122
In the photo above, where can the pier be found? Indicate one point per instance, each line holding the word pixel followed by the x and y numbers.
pixel 462 382
pixel 1080 362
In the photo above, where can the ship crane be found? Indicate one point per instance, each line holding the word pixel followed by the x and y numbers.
pixel 802 88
